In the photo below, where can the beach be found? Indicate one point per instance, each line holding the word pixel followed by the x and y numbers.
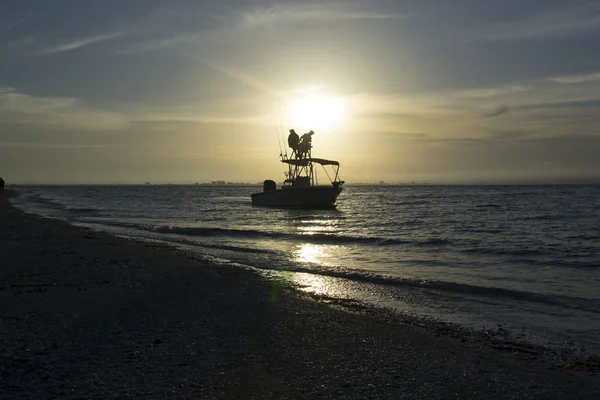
pixel 87 315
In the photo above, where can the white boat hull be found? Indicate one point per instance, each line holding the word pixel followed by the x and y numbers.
pixel 308 197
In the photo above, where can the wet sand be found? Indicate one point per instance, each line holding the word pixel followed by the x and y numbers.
pixel 85 315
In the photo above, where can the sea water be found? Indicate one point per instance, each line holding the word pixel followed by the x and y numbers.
pixel 522 258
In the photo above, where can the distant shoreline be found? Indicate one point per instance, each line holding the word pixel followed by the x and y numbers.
pixel 205 185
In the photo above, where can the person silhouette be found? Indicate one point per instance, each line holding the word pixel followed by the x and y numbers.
pixel 293 141
pixel 305 143
pixel 1 184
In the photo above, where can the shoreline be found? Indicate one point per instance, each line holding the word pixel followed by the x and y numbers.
pixel 89 315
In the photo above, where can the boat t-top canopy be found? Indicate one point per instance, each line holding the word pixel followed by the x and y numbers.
pixel 303 162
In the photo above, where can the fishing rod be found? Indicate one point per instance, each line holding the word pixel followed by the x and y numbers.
pixel 283 136
pixel 280 126
pixel 278 141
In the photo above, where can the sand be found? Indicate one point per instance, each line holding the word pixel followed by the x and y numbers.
pixel 85 315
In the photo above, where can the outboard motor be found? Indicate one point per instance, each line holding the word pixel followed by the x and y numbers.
pixel 269 185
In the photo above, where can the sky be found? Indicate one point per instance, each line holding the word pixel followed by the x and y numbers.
pixel 129 91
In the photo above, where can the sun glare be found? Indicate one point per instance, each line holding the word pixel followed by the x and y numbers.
pixel 315 112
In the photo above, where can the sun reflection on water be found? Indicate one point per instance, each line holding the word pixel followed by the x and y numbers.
pixel 310 283
pixel 309 253
pixel 317 226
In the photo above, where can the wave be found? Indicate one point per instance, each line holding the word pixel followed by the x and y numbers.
pixel 490 205
pixel 544 217
pixel 239 249
pixel 317 238
pixel 410 203
pixel 313 217
pixel 581 264
pixel 82 210
pixel 583 237
pixel 445 287
pixel 37 198
pixel 503 252
pixel 478 230
pixel 53 204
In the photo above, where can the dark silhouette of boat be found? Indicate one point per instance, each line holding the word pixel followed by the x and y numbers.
pixel 301 188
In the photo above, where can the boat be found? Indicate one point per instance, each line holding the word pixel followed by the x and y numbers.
pixel 300 189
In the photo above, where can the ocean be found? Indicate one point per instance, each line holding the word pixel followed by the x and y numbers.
pixel 524 260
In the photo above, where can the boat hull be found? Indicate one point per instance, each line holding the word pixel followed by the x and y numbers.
pixel 308 197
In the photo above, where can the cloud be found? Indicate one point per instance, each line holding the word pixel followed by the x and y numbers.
pixel 43 113
pixel 168 122
pixel 21 108
pixel 296 13
pixel 530 94
pixel 503 134
pixel 574 79
pixel 25 41
pixel 497 112
pixel 244 77
pixel 491 92
pixel 155 43
pixel 548 23
pixel 533 108
pixel 51 145
pixel 166 27
pixel 403 136
pixel 79 43
pixel 6 90
pixel 10 25
pixel 575 104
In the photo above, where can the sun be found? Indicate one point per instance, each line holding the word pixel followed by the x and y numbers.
pixel 315 112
